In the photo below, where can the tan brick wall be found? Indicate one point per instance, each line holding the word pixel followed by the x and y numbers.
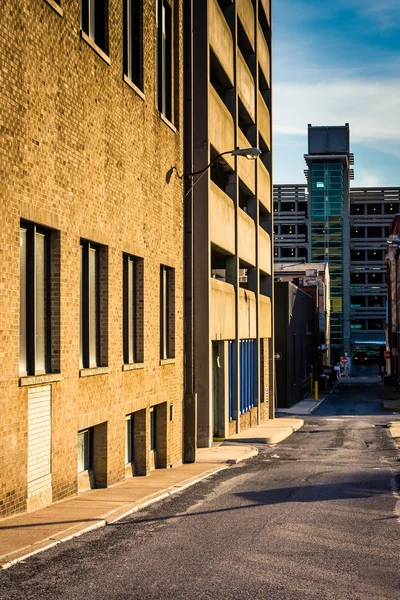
pixel 82 153
pixel 39 446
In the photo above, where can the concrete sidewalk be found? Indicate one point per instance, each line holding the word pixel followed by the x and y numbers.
pixel 270 432
pixel 24 535
pixel 304 407
pixel 394 429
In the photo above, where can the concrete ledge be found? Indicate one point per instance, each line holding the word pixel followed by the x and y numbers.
pixel 39 379
pixel 305 407
pixel 271 432
pixel 394 429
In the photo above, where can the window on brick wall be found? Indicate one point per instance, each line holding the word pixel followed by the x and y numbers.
pixel 167 312
pixel 129 438
pixel 85 450
pixel 164 58
pixel 94 21
pixel 39 300
pixel 93 305
pixel 153 430
pixel 133 41
pixel 132 309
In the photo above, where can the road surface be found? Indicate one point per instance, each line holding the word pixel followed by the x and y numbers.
pixel 315 517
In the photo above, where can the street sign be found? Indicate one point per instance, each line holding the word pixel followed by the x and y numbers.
pixel 278 355
pixel 386 354
pixel 344 360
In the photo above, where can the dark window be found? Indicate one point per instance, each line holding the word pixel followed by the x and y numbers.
pixel 167 312
pixel 357 232
pixel 374 209
pixel 129 438
pixel 358 301
pixel 132 309
pixel 93 303
pixel 85 450
pixel 153 440
pixel 357 255
pixel 94 21
pixel 164 58
pixel 391 209
pixel 376 278
pixel 133 41
pixel 376 324
pixel 374 232
pixel 357 278
pixel 38 300
pixel 288 252
pixel 377 301
pixel 376 256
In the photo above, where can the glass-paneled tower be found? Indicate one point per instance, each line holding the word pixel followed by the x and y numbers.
pixel 328 161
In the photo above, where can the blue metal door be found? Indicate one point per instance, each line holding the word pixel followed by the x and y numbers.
pixel 247 374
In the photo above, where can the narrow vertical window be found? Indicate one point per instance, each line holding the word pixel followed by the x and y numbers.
pixel 129 438
pixel 84 450
pixel 167 313
pixel 133 41
pixel 41 301
pixel 164 58
pixel 94 21
pixel 132 309
pixel 130 302
pixel 93 317
pixel 36 307
pixel 23 368
pixel 153 440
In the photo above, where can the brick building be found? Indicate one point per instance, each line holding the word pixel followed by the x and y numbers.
pixel 91 245
pixel 229 219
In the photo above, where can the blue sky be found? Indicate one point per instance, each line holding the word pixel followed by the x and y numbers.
pixel 336 62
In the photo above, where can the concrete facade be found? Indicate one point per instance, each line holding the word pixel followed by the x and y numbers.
pixel 229 355
pixel 368 213
pixel 371 212
pixel 84 154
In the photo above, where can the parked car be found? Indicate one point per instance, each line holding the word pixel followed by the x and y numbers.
pixel 362 358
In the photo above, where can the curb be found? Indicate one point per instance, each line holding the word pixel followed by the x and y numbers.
pixel 289 412
pixel 117 514
pixel 394 429
pixel 250 454
pixel 274 438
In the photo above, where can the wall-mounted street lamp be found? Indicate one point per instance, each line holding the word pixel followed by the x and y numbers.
pixel 249 153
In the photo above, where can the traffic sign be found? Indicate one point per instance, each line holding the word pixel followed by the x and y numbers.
pixel 386 354
pixel 278 355
pixel 344 360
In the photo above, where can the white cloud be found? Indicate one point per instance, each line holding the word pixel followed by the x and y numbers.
pixel 384 13
pixel 371 107
pixel 369 179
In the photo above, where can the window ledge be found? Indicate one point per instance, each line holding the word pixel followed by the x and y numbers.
pixel 55 7
pixel 167 122
pixel 39 379
pixel 95 47
pixel 93 371
pixel 167 361
pixel 132 366
pixel 134 87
